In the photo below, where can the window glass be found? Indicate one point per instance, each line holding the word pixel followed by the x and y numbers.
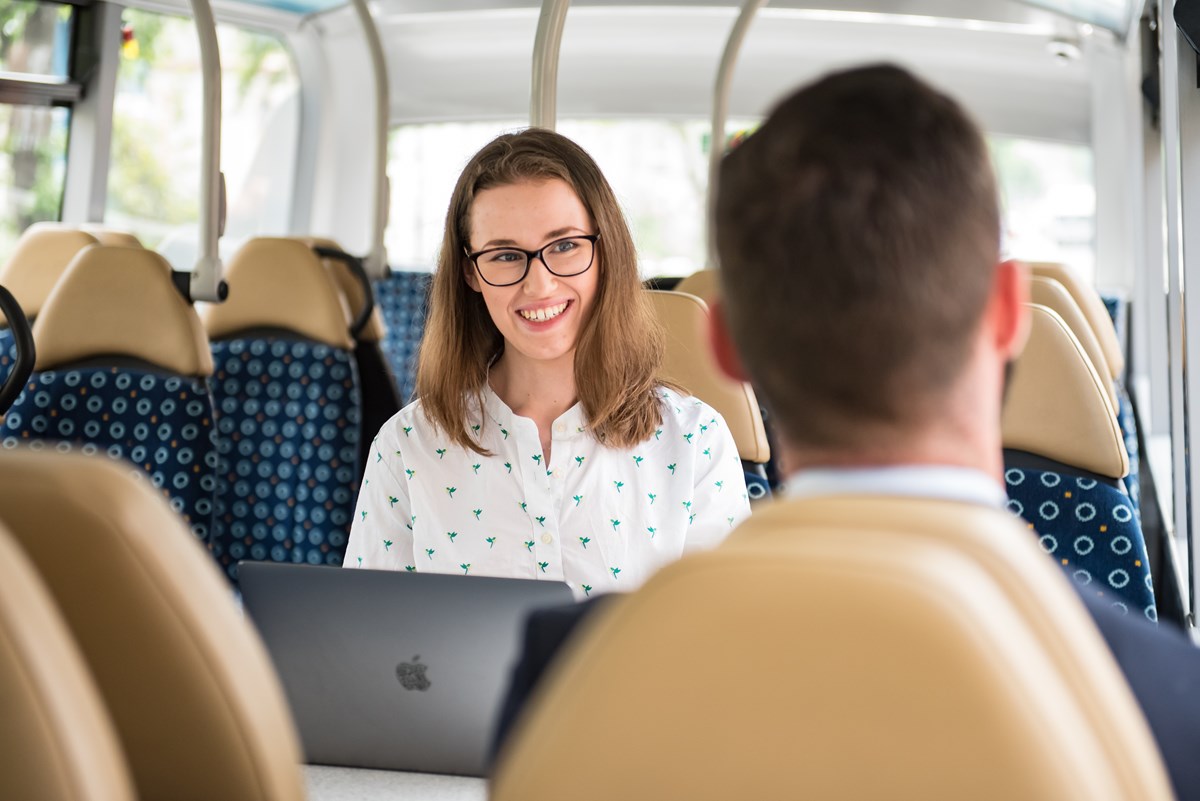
pixel 33 155
pixel 658 169
pixel 154 176
pixel 35 39
pixel 1049 198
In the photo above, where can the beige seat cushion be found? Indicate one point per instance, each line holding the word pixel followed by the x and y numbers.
pixel 704 284
pixel 280 283
pixel 1054 296
pixel 109 236
pixel 853 647
pixel 1058 406
pixel 56 736
pixel 196 703
pixel 40 257
pixel 689 363
pixel 352 292
pixel 120 301
pixel 1092 306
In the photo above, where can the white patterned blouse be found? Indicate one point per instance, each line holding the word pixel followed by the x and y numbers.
pixel 599 518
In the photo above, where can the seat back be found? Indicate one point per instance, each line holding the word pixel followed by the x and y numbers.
pixel 56 735
pixel 122 367
pixel 955 663
pixel 190 688
pixel 702 283
pixel 287 397
pixel 1058 410
pixel 689 363
pixel 1093 309
pixel 110 236
pixel 39 258
pixel 402 298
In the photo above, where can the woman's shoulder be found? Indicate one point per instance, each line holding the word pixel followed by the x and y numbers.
pixel 686 413
pixel 404 423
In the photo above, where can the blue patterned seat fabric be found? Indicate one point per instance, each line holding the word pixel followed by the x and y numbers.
pixel 8 353
pixel 1089 527
pixel 288 419
pixel 159 422
pixel 1128 425
pixel 401 296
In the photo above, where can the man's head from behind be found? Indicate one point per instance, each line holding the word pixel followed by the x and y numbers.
pixel 858 232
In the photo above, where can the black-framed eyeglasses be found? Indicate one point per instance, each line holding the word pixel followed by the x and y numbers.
pixel 564 257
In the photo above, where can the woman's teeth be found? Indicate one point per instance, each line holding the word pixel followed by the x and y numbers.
pixel 543 314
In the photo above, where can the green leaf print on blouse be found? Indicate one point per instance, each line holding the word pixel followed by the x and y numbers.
pixel 411 568
pixel 615 523
pixel 475 430
pixel 430 552
pixel 476 467
pixel 466 568
pixel 387 545
pixel 524 506
pixel 407 430
pixel 491 541
pixel 729 520
pixel 703 429
pixel 688 437
pixel 579 461
pixel 652 496
pixel 658 433
pixel 707 452
pixel 360 561
pixel 587 590
pixel 529 545
pixel 671 467
pixel 410 473
pixel 441 452
pixel 618 485
pixel 537 457
pixel 577 499
pixel 451 490
pixel 504 432
pixel 508 466
pixel 720 485
pixel 541 521
pixel 615 571
pixel 652 531
pixel 637 461
pixel 477 513
pixel 378 457
pixel 364 514
pixel 543 566
pixel 584 541
pixel 452 535
pixel 392 501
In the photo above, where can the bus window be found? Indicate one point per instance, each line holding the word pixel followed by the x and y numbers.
pixel 1049 201
pixel 35 61
pixel 658 169
pixel 155 172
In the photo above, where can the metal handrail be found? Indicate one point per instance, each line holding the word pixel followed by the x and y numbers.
pixel 206 281
pixel 543 93
pixel 375 262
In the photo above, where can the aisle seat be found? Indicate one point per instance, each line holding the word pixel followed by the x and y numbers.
pixel 689 363
pixel 1053 295
pixel 402 299
pixel 122 368
pixel 195 702
pixel 56 735
pixel 288 406
pixel 1064 462
pixel 955 663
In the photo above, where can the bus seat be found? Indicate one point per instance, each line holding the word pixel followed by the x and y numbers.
pixel 1093 309
pixel 955 663
pixel 1053 295
pixel 1064 461
pixel 703 284
pixel 110 236
pixel 122 368
pixel 190 688
pixel 688 362
pixel 56 735
pixel 287 397
pixel 380 397
pixel 402 298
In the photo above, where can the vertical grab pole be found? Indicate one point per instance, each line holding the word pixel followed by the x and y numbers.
pixel 376 261
pixel 543 95
pixel 716 147
pixel 205 282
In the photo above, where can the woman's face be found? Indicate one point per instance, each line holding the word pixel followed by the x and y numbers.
pixel 539 317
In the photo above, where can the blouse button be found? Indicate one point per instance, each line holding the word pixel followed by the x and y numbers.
pixel 547 538
pixel 560 428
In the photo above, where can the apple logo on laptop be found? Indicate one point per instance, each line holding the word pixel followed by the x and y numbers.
pixel 412 675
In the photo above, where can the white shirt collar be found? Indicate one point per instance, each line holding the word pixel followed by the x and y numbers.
pixel 938 482
pixel 568 425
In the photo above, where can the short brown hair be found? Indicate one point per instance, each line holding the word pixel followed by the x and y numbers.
pixel 858 232
pixel 620 347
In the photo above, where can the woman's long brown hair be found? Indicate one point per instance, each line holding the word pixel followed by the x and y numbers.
pixel 620 348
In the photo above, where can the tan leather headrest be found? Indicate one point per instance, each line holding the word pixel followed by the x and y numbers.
pixel 1054 296
pixel 56 736
pixel 957 663
pixel 1093 309
pixel 189 685
pixel 703 284
pixel 41 255
pixel 689 363
pixel 108 236
pixel 352 292
pixel 1058 405
pixel 280 283
pixel 121 301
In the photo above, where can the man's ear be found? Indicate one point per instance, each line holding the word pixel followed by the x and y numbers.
pixel 1009 308
pixel 721 344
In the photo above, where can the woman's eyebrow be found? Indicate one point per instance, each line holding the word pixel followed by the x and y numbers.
pixel 557 232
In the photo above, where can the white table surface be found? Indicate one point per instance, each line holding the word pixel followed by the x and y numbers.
pixel 326 783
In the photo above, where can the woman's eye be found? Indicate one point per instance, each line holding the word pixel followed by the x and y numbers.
pixel 566 246
pixel 505 257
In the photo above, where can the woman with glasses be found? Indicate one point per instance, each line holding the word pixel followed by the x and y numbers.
pixel 542 444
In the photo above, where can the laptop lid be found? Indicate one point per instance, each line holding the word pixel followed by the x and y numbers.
pixel 390 670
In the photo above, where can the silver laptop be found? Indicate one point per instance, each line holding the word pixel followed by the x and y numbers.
pixel 399 671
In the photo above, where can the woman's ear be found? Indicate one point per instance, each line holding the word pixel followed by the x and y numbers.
pixel 470 276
